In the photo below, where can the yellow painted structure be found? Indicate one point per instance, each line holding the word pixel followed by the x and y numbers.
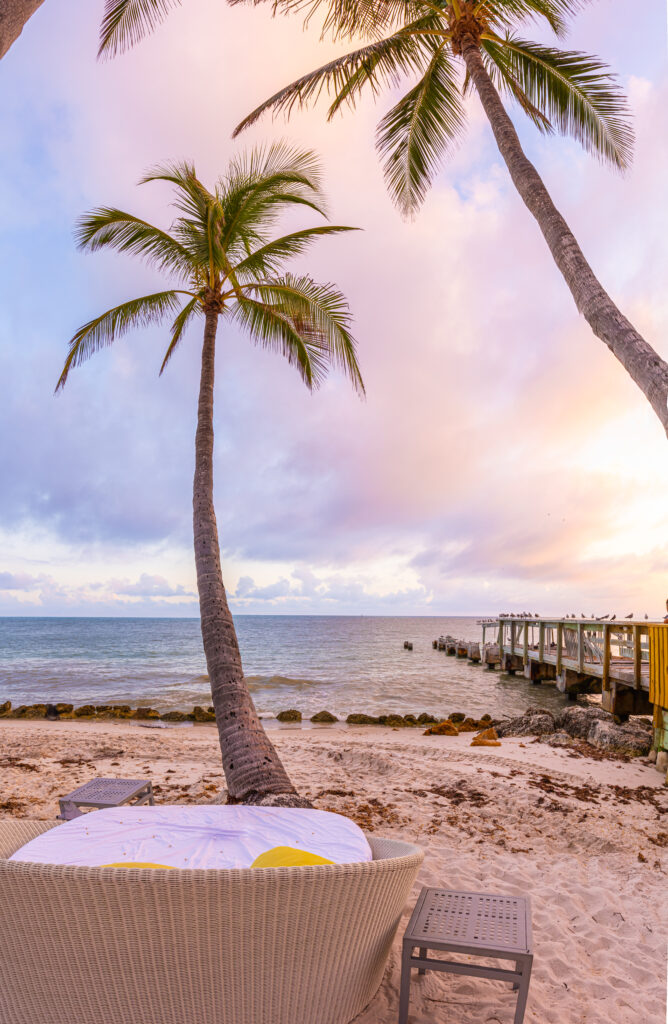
pixel 658 682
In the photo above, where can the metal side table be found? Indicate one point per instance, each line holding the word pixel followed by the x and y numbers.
pixel 105 793
pixel 473 923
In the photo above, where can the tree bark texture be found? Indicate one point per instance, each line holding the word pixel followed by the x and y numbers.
pixel 13 16
pixel 252 767
pixel 645 366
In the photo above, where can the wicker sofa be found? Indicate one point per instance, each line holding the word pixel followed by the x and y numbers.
pixel 301 945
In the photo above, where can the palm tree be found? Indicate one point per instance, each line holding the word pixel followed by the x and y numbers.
pixel 454 46
pixel 226 262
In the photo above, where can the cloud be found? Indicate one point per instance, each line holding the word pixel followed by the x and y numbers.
pixel 148 586
pixel 18 581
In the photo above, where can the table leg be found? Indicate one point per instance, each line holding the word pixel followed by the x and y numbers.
pixel 423 954
pixel 523 992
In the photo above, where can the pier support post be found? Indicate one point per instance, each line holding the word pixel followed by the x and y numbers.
pixel 537 672
pixel 623 701
pixel 511 663
pixel 569 682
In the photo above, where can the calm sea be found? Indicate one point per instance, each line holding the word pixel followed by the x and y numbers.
pixel 341 663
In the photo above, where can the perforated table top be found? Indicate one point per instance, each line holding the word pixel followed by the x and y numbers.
pixel 470 920
pixel 107 792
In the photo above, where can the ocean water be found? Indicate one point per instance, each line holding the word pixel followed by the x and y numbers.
pixel 340 663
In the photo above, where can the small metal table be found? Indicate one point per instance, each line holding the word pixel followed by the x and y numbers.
pixel 473 923
pixel 105 793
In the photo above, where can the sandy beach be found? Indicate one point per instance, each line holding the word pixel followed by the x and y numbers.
pixel 585 839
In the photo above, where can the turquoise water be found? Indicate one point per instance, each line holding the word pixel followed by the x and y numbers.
pixel 341 663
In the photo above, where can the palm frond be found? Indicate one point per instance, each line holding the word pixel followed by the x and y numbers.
pixel 321 315
pixel 125 22
pixel 416 134
pixel 575 92
pixel 269 259
pixel 105 329
pixel 189 311
pixel 261 185
pixel 270 326
pixel 380 63
pixel 192 198
pixel 107 227
pixel 505 15
pixel 348 18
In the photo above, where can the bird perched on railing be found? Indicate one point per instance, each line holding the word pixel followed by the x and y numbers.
pixel 629 616
pixel 612 618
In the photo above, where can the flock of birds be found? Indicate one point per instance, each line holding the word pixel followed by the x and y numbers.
pixel 535 615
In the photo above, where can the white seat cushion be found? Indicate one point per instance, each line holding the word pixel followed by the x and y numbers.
pixel 182 836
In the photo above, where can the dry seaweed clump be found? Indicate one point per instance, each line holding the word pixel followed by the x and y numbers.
pixel 446 728
pixel 488 738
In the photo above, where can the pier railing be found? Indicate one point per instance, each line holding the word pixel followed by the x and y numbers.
pixel 608 650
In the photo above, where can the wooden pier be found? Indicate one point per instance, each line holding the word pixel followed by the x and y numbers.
pixel 626 662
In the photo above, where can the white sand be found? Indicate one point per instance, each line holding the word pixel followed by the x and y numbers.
pixel 522 819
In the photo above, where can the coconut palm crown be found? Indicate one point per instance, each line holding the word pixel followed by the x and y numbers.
pixel 449 48
pixel 227 262
pixel 565 91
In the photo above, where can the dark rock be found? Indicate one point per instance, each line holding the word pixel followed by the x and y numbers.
pixel 629 738
pixel 362 720
pixel 120 711
pixel 6 709
pixel 65 710
pixel 457 716
pixel 324 716
pixel 200 715
pixel 410 720
pixel 51 713
pixel 533 723
pixel 146 713
pixel 175 716
pixel 559 739
pixel 485 718
pixel 392 721
pixel 85 711
pixel 425 719
pixel 291 715
pixel 577 720
pixel 211 709
pixel 29 711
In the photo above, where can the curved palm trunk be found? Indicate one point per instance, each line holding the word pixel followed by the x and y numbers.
pixel 253 770
pixel 13 16
pixel 638 358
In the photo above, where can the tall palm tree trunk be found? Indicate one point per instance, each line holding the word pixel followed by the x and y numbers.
pixel 253 770
pixel 13 16
pixel 638 358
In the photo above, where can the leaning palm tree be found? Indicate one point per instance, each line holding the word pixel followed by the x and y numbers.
pixel 453 47
pixel 227 263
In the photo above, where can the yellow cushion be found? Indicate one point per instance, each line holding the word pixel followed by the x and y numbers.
pixel 287 857
pixel 138 864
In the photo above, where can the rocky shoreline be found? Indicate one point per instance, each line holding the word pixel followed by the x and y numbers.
pixel 574 726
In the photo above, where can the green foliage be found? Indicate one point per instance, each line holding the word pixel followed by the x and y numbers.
pixel 223 251
pixel 560 91
pixel 125 22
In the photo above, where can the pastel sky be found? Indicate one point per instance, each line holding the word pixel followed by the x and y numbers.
pixel 502 460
